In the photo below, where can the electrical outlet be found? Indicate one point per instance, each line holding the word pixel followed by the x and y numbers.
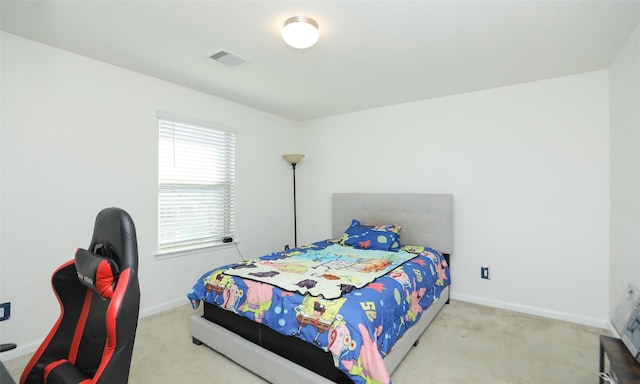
pixel 484 273
pixel 286 247
pixel 5 311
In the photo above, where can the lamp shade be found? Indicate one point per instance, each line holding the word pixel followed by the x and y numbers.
pixel 293 158
pixel 300 32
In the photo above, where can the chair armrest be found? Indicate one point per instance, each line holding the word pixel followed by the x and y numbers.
pixel 7 347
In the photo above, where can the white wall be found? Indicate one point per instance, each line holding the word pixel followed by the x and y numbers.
pixel 528 166
pixel 625 168
pixel 79 135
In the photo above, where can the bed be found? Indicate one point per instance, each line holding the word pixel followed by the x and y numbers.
pixel 285 356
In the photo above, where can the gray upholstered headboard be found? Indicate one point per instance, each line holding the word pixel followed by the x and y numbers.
pixel 426 219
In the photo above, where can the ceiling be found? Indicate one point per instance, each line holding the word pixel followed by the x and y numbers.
pixel 370 53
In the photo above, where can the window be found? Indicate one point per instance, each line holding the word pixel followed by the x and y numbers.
pixel 196 177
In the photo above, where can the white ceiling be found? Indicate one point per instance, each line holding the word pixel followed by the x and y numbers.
pixel 370 53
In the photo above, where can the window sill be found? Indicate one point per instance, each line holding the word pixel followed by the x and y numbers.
pixel 181 252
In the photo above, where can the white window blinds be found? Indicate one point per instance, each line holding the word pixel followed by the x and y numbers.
pixel 196 177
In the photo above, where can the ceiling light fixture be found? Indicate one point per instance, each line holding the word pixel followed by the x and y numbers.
pixel 300 32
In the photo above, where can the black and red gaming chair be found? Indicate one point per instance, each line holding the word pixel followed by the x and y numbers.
pixel 99 295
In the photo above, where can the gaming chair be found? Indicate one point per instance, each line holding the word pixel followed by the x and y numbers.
pixel 99 296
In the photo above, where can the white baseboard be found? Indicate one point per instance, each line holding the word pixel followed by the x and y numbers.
pixel 592 322
pixel 20 350
pixel 612 330
pixel 180 302
pixel 29 349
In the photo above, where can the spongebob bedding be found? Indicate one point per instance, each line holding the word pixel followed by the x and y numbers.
pixel 371 297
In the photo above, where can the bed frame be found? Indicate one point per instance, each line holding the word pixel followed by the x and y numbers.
pixel 425 219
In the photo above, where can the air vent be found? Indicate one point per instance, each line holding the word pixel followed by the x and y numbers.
pixel 228 59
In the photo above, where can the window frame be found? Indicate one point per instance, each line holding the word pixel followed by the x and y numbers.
pixel 213 229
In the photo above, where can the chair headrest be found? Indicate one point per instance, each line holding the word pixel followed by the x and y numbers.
pixel 97 272
pixel 114 235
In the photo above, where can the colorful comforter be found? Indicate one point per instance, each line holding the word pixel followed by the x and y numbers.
pixel 358 328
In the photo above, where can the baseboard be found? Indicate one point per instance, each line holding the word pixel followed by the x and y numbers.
pixel 29 349
pixel 592 322
pixel 612 330
pixel 180 302
pixel 20 350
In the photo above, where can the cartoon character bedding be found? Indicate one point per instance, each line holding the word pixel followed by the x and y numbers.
pixel 353 302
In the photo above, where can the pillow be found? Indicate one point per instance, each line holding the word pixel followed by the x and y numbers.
pixel 96 272
pixel 378 237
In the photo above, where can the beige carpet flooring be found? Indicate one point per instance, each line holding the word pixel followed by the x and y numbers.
pixel 466 343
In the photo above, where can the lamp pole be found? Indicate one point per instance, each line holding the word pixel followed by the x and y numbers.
pixel 295 215
pixel 294 159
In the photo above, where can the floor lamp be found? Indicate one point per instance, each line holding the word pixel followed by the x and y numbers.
pixel 294 159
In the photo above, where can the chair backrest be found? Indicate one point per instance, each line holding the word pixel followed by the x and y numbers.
pixel 99 295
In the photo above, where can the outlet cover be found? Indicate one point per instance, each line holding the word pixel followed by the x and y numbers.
pixel 5 311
